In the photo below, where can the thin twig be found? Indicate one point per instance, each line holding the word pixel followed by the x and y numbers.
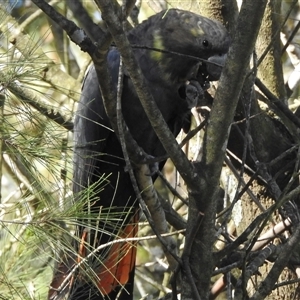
pixel 123 240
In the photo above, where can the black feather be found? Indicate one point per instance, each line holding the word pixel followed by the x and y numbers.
pixel 97 150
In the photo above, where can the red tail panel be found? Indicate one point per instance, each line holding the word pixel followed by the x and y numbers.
pixel 120 261
pixel 114 271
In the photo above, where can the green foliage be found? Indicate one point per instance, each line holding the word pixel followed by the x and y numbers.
pixel 37 213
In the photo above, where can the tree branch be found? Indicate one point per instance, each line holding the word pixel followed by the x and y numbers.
pixel 215 140
pixel 159 125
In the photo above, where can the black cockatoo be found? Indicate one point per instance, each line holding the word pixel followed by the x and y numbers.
pixel 173 80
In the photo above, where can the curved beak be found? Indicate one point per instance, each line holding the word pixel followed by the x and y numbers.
pixel 214 66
